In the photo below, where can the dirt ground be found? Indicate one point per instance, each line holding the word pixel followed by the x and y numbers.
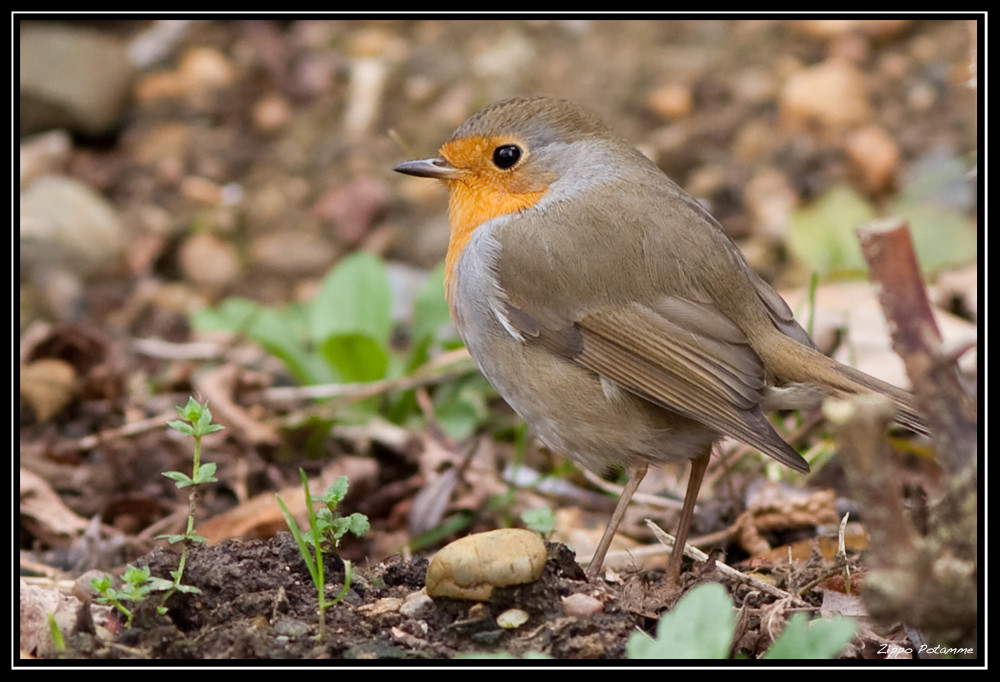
pixel 246 158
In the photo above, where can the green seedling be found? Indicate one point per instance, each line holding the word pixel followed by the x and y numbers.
pixel 326 529
pixel 58 641
pixel 137 584
pixel 540 520
pixel 196 421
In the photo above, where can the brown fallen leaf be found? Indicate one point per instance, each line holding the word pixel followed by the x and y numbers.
pixel 47 386
pixel 41 508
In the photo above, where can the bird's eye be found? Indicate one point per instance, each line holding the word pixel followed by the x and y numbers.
pixel 505 156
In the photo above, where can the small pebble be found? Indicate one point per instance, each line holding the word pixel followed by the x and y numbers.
pixel 512 618
pixel 833 93
pixel 580 604
pixel 415 605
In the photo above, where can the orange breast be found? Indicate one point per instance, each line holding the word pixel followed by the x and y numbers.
pixel 469 206
pixel 482 192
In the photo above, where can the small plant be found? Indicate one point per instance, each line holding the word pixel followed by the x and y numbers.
pixel 137 584
pixel 324 534
pixel 58 641
pixel 196 422
pixel 347 334
pixel 540 520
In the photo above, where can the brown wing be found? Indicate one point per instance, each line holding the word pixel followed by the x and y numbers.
pixel 684 356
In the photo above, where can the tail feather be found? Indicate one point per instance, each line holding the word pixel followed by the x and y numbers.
pixel 906 413
pixel 801 364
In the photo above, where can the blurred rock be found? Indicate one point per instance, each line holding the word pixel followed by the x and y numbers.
pixel 353 208
pixel 209 260
pixel 66 224
pixel 271 113
pixel 835 28
pixel 770 198
pixel 874 158
pixel 671 101
pixel 293 252
pixel 832 94
pixel 165 147
pixel 201 74
pixel 71 77
pixel 44 154
pixel 47 386
pixel 157 42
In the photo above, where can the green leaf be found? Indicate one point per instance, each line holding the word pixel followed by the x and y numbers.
pixel 187 589
pixel 101 583
pixel 206 473
pixel 358 524
pixel 281 332
pixel 284 334
pixel 56 633
pixel 354 299
pixel 190 411
pixel 300 541
pixel 183 427
pixel 943 237
pixel 234 315
pixel 181 480
pixel 203 419
pixel 700 626
pixel 336 493
pixel 158 585
pixel 356 358
pixel 821 638
pixel 823 236
pixel 462 406
pixel 540 520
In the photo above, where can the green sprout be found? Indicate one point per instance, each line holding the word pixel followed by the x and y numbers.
pixel 137 583
pixel 540 520
pixel 325 531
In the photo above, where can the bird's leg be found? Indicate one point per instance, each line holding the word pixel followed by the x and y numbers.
pixel 635 476
pixel 698 466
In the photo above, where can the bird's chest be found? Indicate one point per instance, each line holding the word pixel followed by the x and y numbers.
pixel 571 408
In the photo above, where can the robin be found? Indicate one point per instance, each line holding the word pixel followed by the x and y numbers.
pixel 610 310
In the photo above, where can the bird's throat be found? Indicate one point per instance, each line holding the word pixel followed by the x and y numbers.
pixel 471 205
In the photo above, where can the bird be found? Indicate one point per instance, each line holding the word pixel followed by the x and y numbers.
pixel 610 310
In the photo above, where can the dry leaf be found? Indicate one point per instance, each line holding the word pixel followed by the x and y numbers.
pixel 47 385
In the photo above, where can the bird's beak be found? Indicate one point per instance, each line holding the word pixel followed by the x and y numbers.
pixel 428 168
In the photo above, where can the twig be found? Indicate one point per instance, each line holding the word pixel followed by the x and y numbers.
pixel 724 569
pixel 432 372
pixel 945 405
pixel 124 431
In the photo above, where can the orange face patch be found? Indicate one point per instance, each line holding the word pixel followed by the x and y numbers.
pixel 483 192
